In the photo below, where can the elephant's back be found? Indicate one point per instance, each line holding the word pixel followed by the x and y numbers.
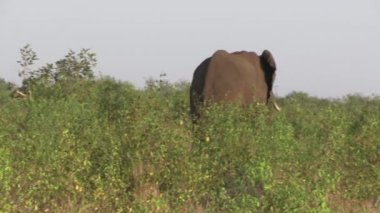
pixel 234 77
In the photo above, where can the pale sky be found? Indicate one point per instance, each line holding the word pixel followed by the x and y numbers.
pixel 328 48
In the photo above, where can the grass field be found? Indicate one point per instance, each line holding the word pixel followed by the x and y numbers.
pixel 105 146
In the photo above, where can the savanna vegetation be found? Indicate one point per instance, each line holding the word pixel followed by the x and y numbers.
pixel 80 143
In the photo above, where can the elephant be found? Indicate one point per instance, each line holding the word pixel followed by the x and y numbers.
pixel 239 77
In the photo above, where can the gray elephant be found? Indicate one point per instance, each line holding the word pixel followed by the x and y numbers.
pixel 238 77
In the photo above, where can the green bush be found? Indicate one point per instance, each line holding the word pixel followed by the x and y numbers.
pixel 88 145
pixel 107 146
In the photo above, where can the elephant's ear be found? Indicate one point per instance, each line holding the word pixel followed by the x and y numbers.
pixel 269 67
pixel 268 60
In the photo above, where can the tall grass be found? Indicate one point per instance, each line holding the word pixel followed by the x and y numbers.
pixel 103 145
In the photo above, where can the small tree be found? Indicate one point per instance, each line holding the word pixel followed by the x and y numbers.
pixel 72 68
pixel 75 66
pixel 28 57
